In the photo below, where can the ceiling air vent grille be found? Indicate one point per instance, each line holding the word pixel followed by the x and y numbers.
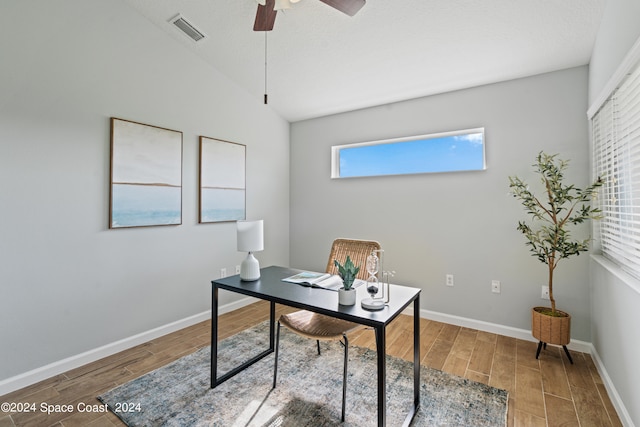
pixel 187 28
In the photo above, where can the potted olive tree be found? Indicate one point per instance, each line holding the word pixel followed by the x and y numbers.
pixel 548 235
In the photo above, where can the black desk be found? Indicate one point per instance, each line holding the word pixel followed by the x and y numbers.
pixel 271 288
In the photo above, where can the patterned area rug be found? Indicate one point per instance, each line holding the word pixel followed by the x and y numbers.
pixel 308 393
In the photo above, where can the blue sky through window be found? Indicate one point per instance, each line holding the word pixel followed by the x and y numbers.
pixel 453 152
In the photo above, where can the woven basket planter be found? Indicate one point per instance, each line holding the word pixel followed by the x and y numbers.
pixel 550 329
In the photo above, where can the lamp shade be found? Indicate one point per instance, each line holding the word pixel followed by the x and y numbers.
pixel 250 236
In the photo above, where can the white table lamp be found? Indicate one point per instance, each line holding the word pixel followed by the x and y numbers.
pixel 250 239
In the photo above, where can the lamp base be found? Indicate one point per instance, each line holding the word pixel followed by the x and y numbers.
pixel 372 304
pixel 250 268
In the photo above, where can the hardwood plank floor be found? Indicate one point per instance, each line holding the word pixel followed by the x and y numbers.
pixel 545 392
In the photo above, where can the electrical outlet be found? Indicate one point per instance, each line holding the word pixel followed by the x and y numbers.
pixel 237 269
pixel 449 280
pixel 545 292
pixel 495 286
pixel 223 272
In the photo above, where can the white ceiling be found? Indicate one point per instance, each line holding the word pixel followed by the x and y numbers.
pixel 321 61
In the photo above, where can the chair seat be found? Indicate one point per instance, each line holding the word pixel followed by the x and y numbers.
pixel 318 326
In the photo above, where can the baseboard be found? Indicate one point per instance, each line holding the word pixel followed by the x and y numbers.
pixel 50 370
pixel 523 334
pixel 621 409
pixel 39 374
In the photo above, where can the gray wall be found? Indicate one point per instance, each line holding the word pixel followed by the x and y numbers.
pixel 67 283
pixel 616 296
pixel 618 31
pixel 458 223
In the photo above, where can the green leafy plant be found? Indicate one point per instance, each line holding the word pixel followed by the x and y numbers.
pixel 348 272
pixel 552 214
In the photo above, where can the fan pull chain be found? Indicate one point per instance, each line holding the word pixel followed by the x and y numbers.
pixel 265 68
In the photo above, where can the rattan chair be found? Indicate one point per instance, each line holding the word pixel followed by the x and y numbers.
pixel 325 328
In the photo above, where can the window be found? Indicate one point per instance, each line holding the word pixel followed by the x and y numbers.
pixel 443 152
pixel 616 158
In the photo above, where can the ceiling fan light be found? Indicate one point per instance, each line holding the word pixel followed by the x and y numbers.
pixel 282 4
pixel 294 1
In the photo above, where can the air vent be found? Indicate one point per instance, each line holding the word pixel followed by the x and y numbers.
pixel 187 28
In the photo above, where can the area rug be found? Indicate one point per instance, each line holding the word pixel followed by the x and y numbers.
pixel 308 393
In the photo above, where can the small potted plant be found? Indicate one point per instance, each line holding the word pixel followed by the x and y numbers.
pixel 348 273
pixel 559 207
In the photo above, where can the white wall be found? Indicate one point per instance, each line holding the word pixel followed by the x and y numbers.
pixel 67 283
pixel 616 296
pixel 458 223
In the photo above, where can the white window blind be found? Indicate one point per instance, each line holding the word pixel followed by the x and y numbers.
pixel 616 142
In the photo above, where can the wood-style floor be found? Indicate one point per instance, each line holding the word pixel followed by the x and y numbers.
pixel 544 392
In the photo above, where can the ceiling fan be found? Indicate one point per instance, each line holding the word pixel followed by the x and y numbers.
pixel 267 10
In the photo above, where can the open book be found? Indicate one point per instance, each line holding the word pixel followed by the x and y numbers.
pixel 319 280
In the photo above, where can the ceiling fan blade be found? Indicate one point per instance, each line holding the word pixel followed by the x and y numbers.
pixel 350 7
pixel 265 17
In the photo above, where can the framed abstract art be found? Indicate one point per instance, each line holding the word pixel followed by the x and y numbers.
pixel 222 181
pixel 146 175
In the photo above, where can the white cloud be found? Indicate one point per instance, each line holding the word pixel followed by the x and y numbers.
pixel 474 138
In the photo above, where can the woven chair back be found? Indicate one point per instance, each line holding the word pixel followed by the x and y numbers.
pixel 358 250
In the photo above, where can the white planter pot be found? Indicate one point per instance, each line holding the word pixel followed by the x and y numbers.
pixel 346 297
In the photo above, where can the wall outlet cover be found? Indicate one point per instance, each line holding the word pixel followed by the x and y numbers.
pixel 545 292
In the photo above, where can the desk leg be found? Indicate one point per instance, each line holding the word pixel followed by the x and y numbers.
pixel 214 335
pixel 381 348
pixel 416 362
pixel 215 380
pixel 272 325
pixel 416 355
